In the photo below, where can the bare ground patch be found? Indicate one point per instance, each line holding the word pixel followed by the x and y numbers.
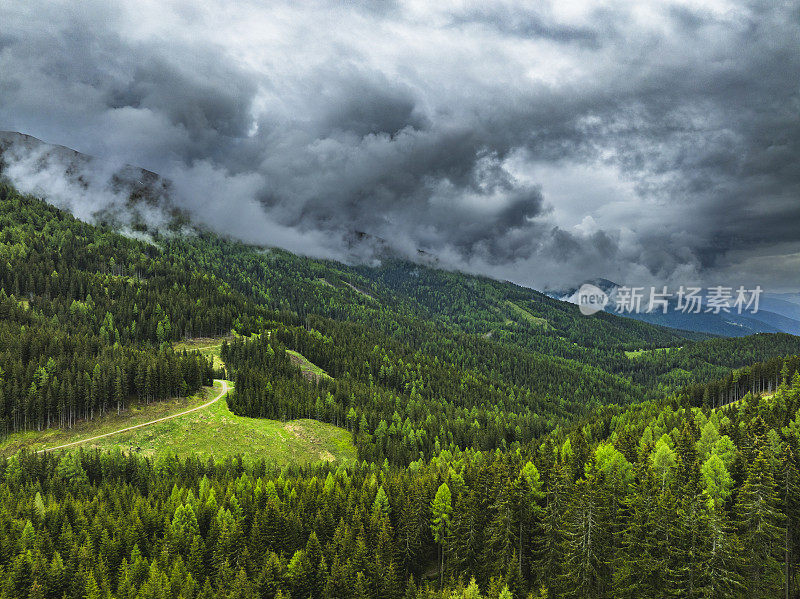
pixel 301 432
pixel 308 374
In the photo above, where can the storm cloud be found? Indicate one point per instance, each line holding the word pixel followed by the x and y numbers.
pixel 541 142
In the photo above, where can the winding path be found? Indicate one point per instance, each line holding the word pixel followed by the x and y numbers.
pixel 130 428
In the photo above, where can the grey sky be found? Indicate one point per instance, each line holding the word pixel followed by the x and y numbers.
pixel 542 142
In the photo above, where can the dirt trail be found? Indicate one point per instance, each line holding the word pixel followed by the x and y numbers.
pixel 130 428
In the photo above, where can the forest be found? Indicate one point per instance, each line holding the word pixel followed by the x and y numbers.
pixel 507 446
pixel 655 500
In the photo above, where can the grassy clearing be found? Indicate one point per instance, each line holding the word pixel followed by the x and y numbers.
pixel 218 432
pixel 209 347
pixel 309 369
pixel 133 415
pixel 214 431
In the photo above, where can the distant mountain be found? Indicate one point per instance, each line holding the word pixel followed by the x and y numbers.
pixel 778 313
pixel 785 304
pixel 782 323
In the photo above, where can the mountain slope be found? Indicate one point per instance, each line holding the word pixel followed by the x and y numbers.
pixel 447 418
pixel 128 197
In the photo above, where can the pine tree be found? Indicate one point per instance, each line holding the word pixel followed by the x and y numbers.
pixel 472 591
pixel 585 551
pixel 760 526
pixel 528 495
pixel 690 544
pixel 242 589
pixel 93 590
pixel 550 553
pixel 788 486
pixel 56 582
pixel 642 558
pixel 411 526
pixel 37 591
pixel 361 588
pixel 503 529
pixel 381 503
pixel 720 573
pixel 441 514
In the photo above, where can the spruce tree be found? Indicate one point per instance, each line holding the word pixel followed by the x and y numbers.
pixel 441 514
pixel 760 525
pixel 720 578
pixel 549 560
pixel 585 550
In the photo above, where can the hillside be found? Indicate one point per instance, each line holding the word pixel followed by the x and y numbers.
pixel 417 304
pixel 399 299
pixel 543 362
pixel 634 502
pixel 199 425
pixel 186 427
pixel 92 189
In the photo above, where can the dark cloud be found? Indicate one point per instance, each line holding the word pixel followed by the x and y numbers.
pixel 366 105
pixel 539 142
pixel 214 100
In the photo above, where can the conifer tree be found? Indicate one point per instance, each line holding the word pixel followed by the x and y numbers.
pixel 441 514
pixel 761 530
pixel 550 553
pixel 720 577
pixel 642 557
pixel 37 591
pixel 585 551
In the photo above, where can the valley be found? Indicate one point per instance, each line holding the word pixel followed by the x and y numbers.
pixel 205 428
pixel 319 423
